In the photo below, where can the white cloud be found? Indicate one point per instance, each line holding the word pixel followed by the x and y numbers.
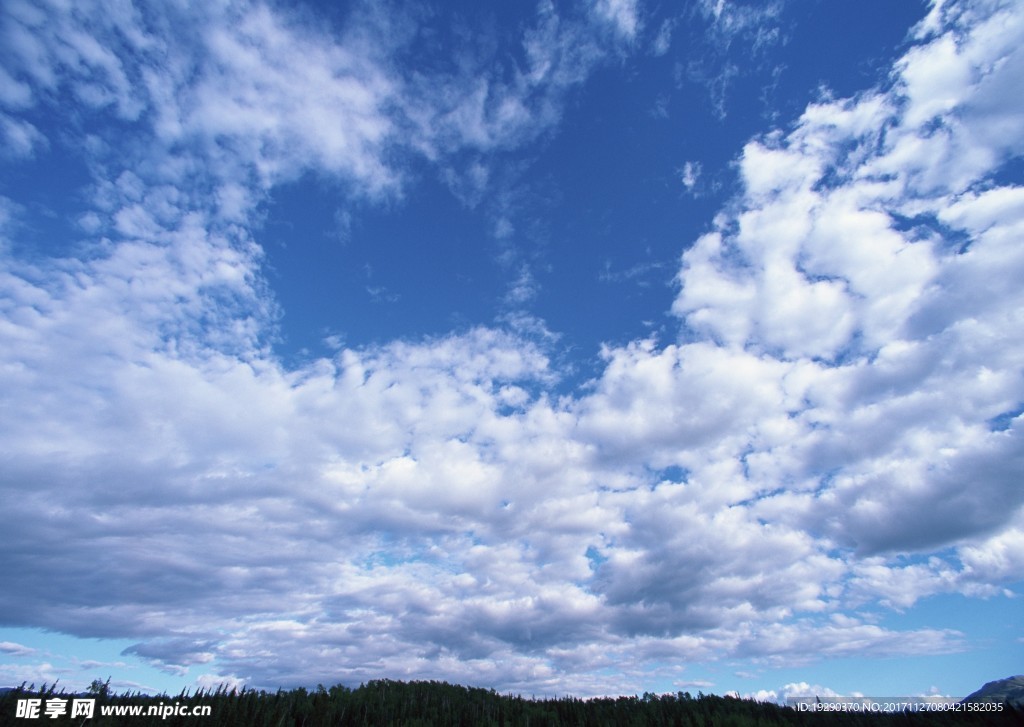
pixel 19 138
pixel 689 175
pixel 803 689
pixel 486 106
pixel 730 20
pixel 620 13
pixel 13 93
pixel 232 82
pixel 995 559
pixel 663 40
pixel 14 649
pixel 854 375
pixel 816 274
pixel 737 36
pixel 523 288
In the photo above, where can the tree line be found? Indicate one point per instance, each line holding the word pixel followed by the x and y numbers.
pixel 423 703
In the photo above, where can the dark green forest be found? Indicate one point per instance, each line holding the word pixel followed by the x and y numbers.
pixel 385 702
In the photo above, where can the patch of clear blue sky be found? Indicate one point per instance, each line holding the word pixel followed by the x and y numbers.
pixel 127 673
pixel 51 189
pixel 401 271
pixel 992 634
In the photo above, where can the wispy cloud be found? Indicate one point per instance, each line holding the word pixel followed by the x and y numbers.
pixel 689 175
pixel 639 273
pixel 13 649
pixel 732 25
pixel 622 14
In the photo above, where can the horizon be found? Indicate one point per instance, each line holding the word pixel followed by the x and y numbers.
pixel 98 687
pixel 571 348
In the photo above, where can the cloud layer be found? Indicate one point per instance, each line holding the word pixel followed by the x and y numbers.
pixel 836 431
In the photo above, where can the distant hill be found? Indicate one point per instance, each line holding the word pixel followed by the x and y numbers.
pixel 1009 690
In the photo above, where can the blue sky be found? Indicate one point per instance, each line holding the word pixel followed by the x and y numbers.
pixel 561 348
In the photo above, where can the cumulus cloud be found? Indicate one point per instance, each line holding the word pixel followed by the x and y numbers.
pixel 855 283
pixel 432 508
